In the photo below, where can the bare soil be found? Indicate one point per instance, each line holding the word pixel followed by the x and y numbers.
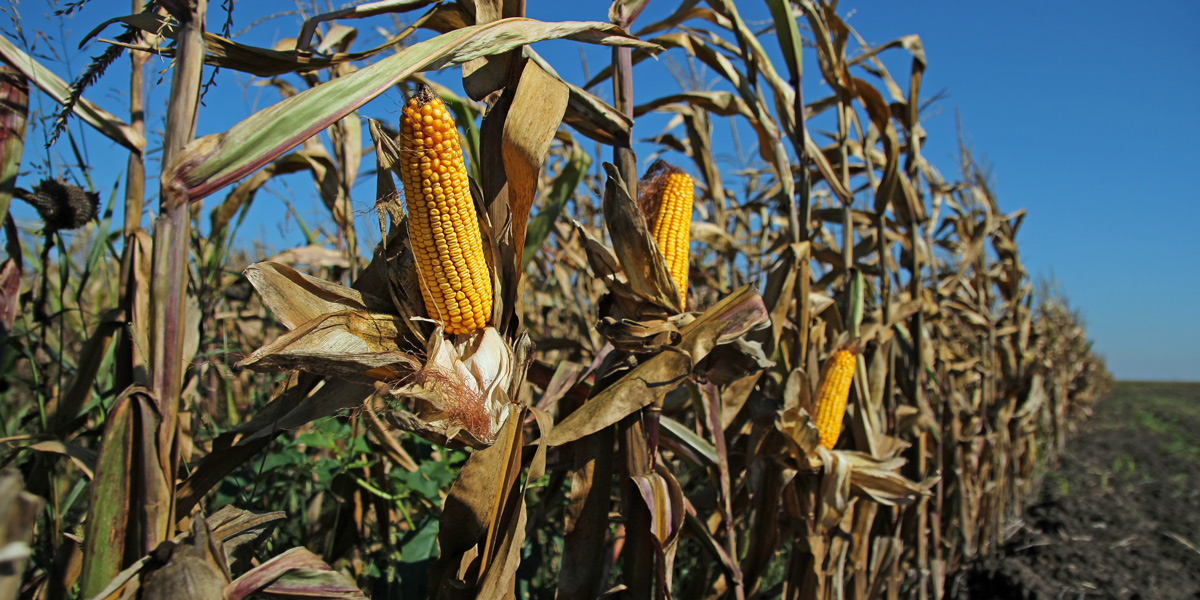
pixel 1120 517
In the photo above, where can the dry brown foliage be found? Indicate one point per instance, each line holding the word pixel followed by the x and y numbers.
pixel 618 446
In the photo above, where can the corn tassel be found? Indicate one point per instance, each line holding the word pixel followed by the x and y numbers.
pixel 443 228
pixel 832 393
pixel 667 194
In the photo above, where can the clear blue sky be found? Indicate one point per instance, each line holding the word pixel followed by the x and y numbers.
pixel 1085 111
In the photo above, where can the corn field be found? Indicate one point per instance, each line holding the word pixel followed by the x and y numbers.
pixel 566 370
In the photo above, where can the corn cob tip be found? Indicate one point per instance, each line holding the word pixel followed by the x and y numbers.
pixel 660 166
pixel 422 95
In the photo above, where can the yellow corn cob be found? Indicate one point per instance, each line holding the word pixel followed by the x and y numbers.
pixel 442 225
pixel 670 208
pixel 833 392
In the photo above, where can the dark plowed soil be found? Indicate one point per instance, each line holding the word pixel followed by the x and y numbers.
pixel 1120 518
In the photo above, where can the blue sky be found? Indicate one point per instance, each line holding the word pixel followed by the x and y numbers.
pixel 1085 112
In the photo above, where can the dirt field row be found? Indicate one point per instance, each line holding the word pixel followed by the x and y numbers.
pixel 1120 518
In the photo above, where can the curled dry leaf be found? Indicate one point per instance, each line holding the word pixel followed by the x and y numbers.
pixel 880 480
pixel 297 573
pixel 336 331
pixel 645 268
pixel 801 436
pixel 354 345
pixel 640 336
pixel 665 502
pixel 651 380
pixel 313 255
pixel 295 298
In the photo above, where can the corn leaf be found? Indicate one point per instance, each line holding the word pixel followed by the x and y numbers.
pixel 297 573
pixel 214 161
pixel 651 380
pixel 537 109
pixel 59 91
pixel 109 511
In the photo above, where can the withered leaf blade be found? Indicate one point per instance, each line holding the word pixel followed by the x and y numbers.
pixel 879 480
pixel 297 573
pixel 84 458
pixel 664 499
pixel 733 360
pixel 635 247
pixel 833 490
pixel 354 345
pixel 507 537
pixel 639 336
pixel 295 298
pixel 537 109
pixel 240 532
pixel 654 378
pixel 588 114
pixel 45 79
pixel 601 258
pixel 538 230
pixel 801 435
pixel 469 511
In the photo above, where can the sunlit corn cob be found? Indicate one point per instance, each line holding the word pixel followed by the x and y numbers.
pixel 446 240
pixel 670 193
pixel 833 392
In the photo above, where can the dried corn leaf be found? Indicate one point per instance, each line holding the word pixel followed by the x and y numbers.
pixel 651 380
pixel 635 248
pixel 354 345
pixel 878 479
pixel 361 11
pixel 573 172
pixel 291 56
pixel 471 513
pixel 295 298
pixel 639 336
pixel 285 416
pixel 83 458
pixel 240 532
pixel 664 500
pixel 297 573
pixel 537 109
pixel 313 256
pixel 588 114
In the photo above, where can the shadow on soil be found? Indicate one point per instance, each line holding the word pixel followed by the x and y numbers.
pixel 1120 518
